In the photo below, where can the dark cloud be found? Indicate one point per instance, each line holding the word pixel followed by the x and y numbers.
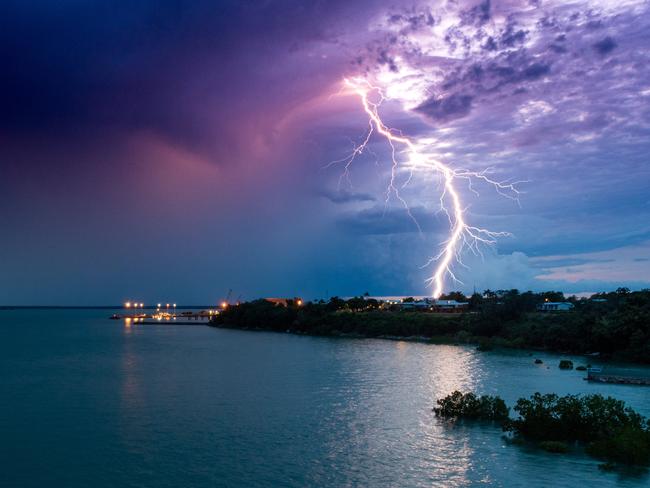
pixel 384 58
pixel 558 48
pixel 413 19
pixel 380 221
pixel 490 44
pixel 512 36
pixel 190 72
pixel 536 70
pixel 446 109
pixel 477 15
pixel 605 45
pixel 344 196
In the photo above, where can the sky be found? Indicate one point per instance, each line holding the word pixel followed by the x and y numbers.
pixel 173 151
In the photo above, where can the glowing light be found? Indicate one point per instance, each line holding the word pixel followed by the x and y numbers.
pixel 127 305
pixel 224 304
pixel 462 235
pixel 299 302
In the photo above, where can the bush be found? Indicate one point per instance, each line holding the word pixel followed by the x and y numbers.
pixel 469 406
pixel 605 426
pixel 630 446
pixel 566 364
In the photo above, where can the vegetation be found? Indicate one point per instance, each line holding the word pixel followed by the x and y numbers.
pixel 605 427
pixel 556 447
pixel 616 324
pixel 470 406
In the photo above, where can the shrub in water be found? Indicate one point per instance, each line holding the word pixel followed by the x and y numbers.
pixel 459 405
pixel 607 427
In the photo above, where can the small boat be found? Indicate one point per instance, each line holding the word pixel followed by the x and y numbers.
pixel 115 316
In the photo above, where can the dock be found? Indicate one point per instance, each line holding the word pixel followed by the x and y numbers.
pixel 163 318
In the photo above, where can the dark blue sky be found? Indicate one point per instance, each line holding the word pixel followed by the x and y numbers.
pixel 174 150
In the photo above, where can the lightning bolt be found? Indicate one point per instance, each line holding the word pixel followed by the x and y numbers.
pixel 462 236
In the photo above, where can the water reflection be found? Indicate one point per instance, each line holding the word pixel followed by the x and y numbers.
pixel 196 406
pixel 373 415
pixel 134 416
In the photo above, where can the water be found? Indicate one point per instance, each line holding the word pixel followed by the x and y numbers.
pixel 85 401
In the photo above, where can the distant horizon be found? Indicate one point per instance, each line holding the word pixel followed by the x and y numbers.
pixel 345 297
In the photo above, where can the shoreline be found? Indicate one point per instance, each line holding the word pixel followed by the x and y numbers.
pixel 439 341
pixel 613 327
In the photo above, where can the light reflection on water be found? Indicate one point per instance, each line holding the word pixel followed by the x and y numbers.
pixel 83 401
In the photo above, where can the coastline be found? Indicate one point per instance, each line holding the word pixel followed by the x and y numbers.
pixel 478 343
pixel 612 327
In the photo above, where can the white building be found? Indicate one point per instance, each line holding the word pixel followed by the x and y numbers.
pixel 450 306
pixel 555 307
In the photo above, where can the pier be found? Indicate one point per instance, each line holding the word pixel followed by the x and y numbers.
pixel 160 317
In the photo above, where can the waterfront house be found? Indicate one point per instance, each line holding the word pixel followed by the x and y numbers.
pixel 450 306
pixel 415 305
pixel 555 307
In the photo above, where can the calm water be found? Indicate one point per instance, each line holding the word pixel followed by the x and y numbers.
pixel 85 401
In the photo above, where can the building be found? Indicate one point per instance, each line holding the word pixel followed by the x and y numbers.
pixel 415 305
pixel 555 307
pixel 440 306
pixel 450 306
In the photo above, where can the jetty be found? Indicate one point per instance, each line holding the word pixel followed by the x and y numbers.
pixel 162 318
pixel 596 374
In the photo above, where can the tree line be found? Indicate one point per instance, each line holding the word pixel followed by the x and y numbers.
pixel 614 324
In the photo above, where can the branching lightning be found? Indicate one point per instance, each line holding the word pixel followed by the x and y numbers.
pixel 463 236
